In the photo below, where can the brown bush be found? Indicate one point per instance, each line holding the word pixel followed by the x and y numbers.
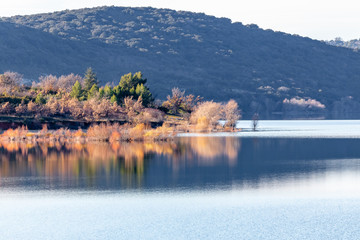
pixel 137 133
pixel 207 115
pixel 100 132
pixel 21 109
pixel 7 108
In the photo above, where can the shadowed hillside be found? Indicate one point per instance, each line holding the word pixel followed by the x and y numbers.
pixel 273 73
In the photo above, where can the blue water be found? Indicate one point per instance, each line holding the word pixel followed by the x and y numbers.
pixel 242 185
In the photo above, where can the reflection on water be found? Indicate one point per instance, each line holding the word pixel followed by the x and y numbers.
pixel 187 162
pixel 191 188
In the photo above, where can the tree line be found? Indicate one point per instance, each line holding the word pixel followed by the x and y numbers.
pixel 82 98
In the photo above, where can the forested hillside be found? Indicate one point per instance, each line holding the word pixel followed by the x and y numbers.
pixel 338 42
pixel 273 73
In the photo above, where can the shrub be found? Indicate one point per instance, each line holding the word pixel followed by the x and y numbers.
pixel 40 99
pixel 207 113
pixel 137 133
pixel 7 108
pixel 100 132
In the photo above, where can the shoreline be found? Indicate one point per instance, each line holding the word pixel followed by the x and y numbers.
pixel 106 133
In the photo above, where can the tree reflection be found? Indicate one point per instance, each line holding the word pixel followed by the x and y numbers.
pixel 103 164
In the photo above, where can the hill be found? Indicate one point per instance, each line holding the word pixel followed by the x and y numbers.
pixel 273 73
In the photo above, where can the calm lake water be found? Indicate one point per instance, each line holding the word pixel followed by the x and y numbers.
pixel 288 180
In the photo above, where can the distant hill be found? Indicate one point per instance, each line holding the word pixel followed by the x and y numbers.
pixel 212 57
pixel 338 42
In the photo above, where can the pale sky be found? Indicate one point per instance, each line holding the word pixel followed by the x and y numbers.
pixel 318 19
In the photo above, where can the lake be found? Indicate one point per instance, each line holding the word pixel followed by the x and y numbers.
pixel 287 180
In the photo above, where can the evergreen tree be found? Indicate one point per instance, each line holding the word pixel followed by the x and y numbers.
pixel 144 92
pixel 93 91
pixel 76 91
pixel 113 99
pixel 108 92
pixel 40 99
pixel 101 93
pixel 128 82
pixel 90 79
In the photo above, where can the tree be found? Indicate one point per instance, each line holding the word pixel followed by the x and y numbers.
pixel 255 121
pixel 48 83
pixel 174 102
pixel 207 115
pixel 232 113
pixel 101 93
pixel 65 82
pixel 113 99
pixel 108 92
pixel 133 108
pixel 178 101
pixel 40 99
pixel 9 81
pixel 130 81
pixel 90 79
pixel 76 91
pixel 93 92
pixel 144 92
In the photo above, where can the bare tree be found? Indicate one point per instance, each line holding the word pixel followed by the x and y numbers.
pixel 66 82
pixel 255 121
pixel 173 103
pixel 9 81
pixel 48 83
pixel 133 109
pixel 178 101
pixel 207 114
pixel 232 113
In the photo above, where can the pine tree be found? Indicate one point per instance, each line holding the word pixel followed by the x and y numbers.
pixel 144 92
pixel 89 79
pixel 128 82
pixel 113 99
pixel 76 91
pixel 94 90
pixel 101 93
pixel 108 91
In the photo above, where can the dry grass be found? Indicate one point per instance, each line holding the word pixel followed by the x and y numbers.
pixel 96 132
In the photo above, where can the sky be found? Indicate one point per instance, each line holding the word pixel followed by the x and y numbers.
pixel 317 19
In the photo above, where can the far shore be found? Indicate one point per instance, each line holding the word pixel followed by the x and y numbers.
pixel 109 132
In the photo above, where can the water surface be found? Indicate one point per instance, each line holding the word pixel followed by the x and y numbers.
pixel 288 180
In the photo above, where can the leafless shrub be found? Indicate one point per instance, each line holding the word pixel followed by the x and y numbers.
pixel 101 109
pixel 53 106
pixel 7 108
pixel 153 115
pixel 66 82
pixel 21 109
pixel 48 83
pixel 32 107
pixel 100 132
